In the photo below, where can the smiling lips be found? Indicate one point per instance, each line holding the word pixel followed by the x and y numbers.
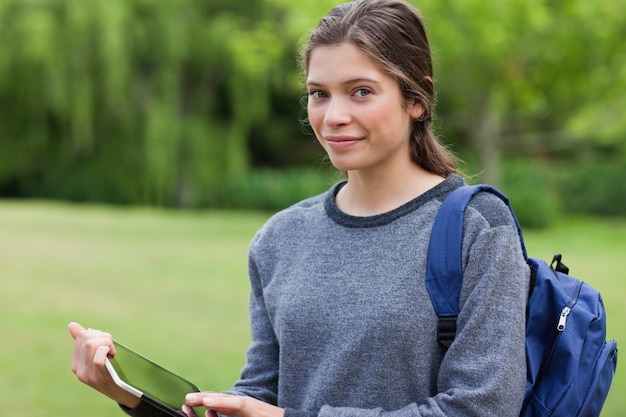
pixel 342 142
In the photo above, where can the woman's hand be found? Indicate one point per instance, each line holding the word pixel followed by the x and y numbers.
pixel 91 348
pixel 230 405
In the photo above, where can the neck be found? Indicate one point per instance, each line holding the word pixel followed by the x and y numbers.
pixel 367 195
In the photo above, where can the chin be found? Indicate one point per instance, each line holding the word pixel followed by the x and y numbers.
pixel 344 163
pixel 345 167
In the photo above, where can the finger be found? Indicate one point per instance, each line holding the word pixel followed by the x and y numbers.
pixel 102 352
pixel 225 404
pixel 79 334
pixel 194 399
pixel 96 338
pixel 91 348
pixel 88 353
pixel 75 329
pixel 188 411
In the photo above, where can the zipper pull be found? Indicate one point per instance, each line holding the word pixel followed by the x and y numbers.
pixel 564 313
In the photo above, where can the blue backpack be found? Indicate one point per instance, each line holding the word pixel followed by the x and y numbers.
pixel 570 365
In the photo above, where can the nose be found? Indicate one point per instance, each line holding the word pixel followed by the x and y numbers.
pixel 337 112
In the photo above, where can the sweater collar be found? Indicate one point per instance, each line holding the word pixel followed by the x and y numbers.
pixel 439 192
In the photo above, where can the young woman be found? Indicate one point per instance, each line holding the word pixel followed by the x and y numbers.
pixel 342 323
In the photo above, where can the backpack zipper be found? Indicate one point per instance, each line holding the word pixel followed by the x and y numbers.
pixel 563 319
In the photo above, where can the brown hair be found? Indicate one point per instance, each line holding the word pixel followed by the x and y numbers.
pixel 392 33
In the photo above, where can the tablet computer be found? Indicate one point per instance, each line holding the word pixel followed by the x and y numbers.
pixel 149 381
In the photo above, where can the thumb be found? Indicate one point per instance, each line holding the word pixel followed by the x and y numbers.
pixel 75 329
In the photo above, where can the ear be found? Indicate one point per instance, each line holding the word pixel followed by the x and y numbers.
pixel 416 109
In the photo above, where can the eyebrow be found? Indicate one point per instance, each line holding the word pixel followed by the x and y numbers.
pixel 347 82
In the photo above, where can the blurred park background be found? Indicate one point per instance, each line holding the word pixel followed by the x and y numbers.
pixel 178 125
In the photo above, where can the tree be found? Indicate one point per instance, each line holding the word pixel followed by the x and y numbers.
pixel 131 100
pixel 524 75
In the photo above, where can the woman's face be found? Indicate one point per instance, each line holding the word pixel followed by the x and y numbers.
pixel 357 112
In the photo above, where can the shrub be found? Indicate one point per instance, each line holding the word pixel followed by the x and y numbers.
pixel 267 189
pixel 530 188
pixel 594 187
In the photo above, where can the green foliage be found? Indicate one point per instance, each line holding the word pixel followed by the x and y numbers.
pixel 142 101
pixel 269 190
pixel 594 186
pixel 154 103
pixel 529 76
pixel 531 192
pixel 542 192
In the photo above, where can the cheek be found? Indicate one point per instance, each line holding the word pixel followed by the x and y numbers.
pixel 315 116
pixel 392 113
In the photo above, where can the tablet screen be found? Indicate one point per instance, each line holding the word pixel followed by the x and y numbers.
pixel 154 381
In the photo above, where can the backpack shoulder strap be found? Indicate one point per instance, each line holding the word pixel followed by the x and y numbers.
pixel 444 273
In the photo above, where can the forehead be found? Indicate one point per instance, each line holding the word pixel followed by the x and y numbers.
pixel 338 63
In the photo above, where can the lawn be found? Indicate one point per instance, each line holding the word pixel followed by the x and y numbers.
pixel 173 285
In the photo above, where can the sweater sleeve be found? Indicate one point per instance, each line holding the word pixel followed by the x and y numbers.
pixel 259 377
pixel 144 409
pixel 483 372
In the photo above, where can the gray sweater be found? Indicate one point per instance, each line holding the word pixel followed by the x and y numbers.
pixel 342 324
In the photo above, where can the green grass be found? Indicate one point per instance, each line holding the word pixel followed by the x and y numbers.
pixel 174 286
